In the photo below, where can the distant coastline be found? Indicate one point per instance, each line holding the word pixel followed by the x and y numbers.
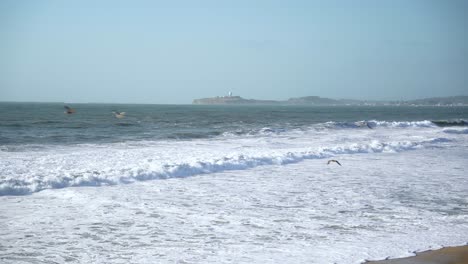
pixel 321 101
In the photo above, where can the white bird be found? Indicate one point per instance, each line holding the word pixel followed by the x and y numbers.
pixel 119 114
pixel 68 110
pixel 330 161
pixel 364 123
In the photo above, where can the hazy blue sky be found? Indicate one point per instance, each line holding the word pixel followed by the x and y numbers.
pixel 176 51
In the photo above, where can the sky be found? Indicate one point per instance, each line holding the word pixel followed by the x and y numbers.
pixel 171 52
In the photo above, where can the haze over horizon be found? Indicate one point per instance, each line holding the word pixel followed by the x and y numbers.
pixel 172 53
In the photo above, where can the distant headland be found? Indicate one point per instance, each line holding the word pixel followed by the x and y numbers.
pixel 320 101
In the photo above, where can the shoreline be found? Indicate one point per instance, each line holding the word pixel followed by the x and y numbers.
pixel 304 212
pixel 445 255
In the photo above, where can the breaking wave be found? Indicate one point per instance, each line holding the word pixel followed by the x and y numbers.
pixel 366 124
pixel 52 172
pixel 449 123
pixel 377 123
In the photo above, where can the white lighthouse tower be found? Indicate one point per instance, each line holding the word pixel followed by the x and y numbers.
pixel 230 94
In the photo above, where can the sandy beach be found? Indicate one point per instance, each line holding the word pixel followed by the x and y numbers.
pixel 449 255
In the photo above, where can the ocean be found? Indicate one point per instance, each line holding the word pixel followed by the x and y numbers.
pixel 230 184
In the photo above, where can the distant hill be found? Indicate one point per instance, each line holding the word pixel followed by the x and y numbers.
pixel 320 101
pixel 233 100
pixel 312 100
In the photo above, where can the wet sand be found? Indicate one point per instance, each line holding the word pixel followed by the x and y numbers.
pixel 449 255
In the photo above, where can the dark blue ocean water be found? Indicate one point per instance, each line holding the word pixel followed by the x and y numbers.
pixel 46 123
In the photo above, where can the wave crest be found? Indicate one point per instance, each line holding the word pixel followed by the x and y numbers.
pixel 60 175
pixel 449 123
pixel 377 123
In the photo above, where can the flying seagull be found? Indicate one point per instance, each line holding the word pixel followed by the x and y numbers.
pixel 364 123
pixel 330 161
pixel 119 114
pixel 68 110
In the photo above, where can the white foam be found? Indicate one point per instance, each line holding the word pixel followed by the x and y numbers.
pixel 456 130
pixel 384 124
pixel 23 172
pixel 375 206
pixel 403 124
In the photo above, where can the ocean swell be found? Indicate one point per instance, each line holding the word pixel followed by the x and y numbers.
pixel 378 123
pixel 450 123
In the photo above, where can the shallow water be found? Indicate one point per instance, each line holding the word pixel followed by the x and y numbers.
pixel 373 207
pixel 256 191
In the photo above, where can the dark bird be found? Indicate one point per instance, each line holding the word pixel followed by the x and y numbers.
pixel 330 161
pixel 119 114
pixel 69 110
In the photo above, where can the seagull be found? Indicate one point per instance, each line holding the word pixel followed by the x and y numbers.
pixel 364 123
pixel 68 110
pixel 330 161
pixel 119 114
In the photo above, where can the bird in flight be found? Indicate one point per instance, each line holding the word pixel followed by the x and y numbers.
pixel 68 110
pixel 119 114
pixel 330 161
pixel 364 123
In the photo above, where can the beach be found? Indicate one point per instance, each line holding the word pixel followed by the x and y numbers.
pixel 449 255
pixel 269 214
pixel 242 187
pixel 233 132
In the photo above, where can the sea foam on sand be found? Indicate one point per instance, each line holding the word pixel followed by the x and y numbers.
pixel 375 206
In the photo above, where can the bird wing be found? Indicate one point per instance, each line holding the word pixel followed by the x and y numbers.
pixel 67 107
pixel 338 162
